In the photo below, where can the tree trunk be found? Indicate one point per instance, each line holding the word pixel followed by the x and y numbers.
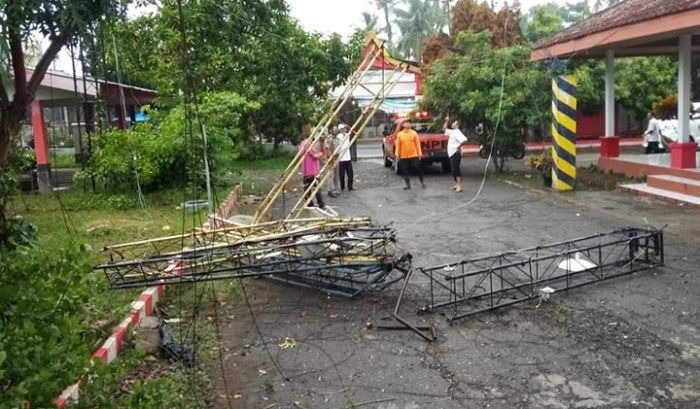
pixel 10 124
pixel 388 26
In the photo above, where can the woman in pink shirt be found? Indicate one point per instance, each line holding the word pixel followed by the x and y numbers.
pixel 310 168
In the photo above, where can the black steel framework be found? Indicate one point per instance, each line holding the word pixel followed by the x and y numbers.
pixel 488 283
pixel 341 257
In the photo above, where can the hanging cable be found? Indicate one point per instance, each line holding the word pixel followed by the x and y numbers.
pixel 77 108
pixel 122 100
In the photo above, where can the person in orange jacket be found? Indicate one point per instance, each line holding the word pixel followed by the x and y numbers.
pixel 408 152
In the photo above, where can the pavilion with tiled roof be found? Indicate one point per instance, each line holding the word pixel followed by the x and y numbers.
pixel 637 28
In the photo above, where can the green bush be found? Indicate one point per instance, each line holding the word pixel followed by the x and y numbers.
pixel 121 155
pixel 168 151
pixel 44 339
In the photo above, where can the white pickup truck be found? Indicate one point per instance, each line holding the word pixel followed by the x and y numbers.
pixel 669 127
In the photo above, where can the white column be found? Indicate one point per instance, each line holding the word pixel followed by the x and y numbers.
pixel 684 54
pixel 610 93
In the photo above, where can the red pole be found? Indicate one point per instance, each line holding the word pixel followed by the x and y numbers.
pixel 41 144
pixel 41 147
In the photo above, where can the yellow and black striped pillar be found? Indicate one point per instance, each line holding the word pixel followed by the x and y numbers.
pixel 564 132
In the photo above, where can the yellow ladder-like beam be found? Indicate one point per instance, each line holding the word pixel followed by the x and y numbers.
pixel 315 136
pixel 355 132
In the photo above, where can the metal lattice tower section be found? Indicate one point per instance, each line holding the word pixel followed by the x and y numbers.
pixel 485 284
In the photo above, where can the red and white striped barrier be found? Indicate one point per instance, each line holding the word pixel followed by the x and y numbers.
pixel 218 219
pixel 143 307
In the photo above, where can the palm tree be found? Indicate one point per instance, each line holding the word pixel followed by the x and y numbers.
pixel 443 14
pixel 387 8
pixel 604 4
pixel 417 22
pixel 369 21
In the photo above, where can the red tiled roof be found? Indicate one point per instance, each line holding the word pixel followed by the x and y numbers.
pixel 624 13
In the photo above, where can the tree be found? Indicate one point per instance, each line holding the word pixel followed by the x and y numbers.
pixel 369 22
pixel 494 87
pixel 604 4
pixel 416 23
pixel 547 19
pixel 541 23
pixel 434 48
pixel 220 36
pixel 250 47
pixel 387 9
pixel 642 81
pixel 468 15
pixel 442 15
pixel 506 26
pixel 290 74
pixel 62 22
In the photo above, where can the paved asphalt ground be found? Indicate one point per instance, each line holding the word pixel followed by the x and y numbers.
pixel 631 342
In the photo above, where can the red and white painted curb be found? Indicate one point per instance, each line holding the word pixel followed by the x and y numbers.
pixel 143 307
pixel 217 220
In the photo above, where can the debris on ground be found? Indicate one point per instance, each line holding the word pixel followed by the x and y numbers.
pixel 288 343
pixel 174 350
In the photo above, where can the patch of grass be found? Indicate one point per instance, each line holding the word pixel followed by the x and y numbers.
pixel 273 161
pixel 63 160
pixel 257 176
pixel 101 219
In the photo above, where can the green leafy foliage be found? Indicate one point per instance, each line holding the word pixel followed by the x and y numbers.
pixel 168 151
pixel 44 338
pixel 591 86
pixel 250 47
pixel 417 22
pixel 545 20
pixel 14 231
pixel 640 82
pixel 482 85
pixel 541 24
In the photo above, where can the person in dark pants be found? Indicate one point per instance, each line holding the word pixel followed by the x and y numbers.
pixel 652 136
pixel 408 152
pixel 331 147
pixel 345 163
pixel 310 168
pixel 455 141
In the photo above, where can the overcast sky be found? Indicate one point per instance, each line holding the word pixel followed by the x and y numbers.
pixel 344 16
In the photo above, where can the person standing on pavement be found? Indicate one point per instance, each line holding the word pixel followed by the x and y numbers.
pixel 408 152
pixel 331 147
pixel 652 136
pixel 455 141
pixel 310 168
pixel 345 164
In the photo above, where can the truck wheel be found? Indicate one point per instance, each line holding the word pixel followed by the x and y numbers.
pixel 484 152
pixel 518 152
pixel 446 168
pixel 387 162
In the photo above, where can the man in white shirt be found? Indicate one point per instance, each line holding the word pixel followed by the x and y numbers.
pixel 332 143
pixel 345 162
pixel 455 141
pixel 652 136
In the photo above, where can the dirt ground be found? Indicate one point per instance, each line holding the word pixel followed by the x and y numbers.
pixel 631 342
